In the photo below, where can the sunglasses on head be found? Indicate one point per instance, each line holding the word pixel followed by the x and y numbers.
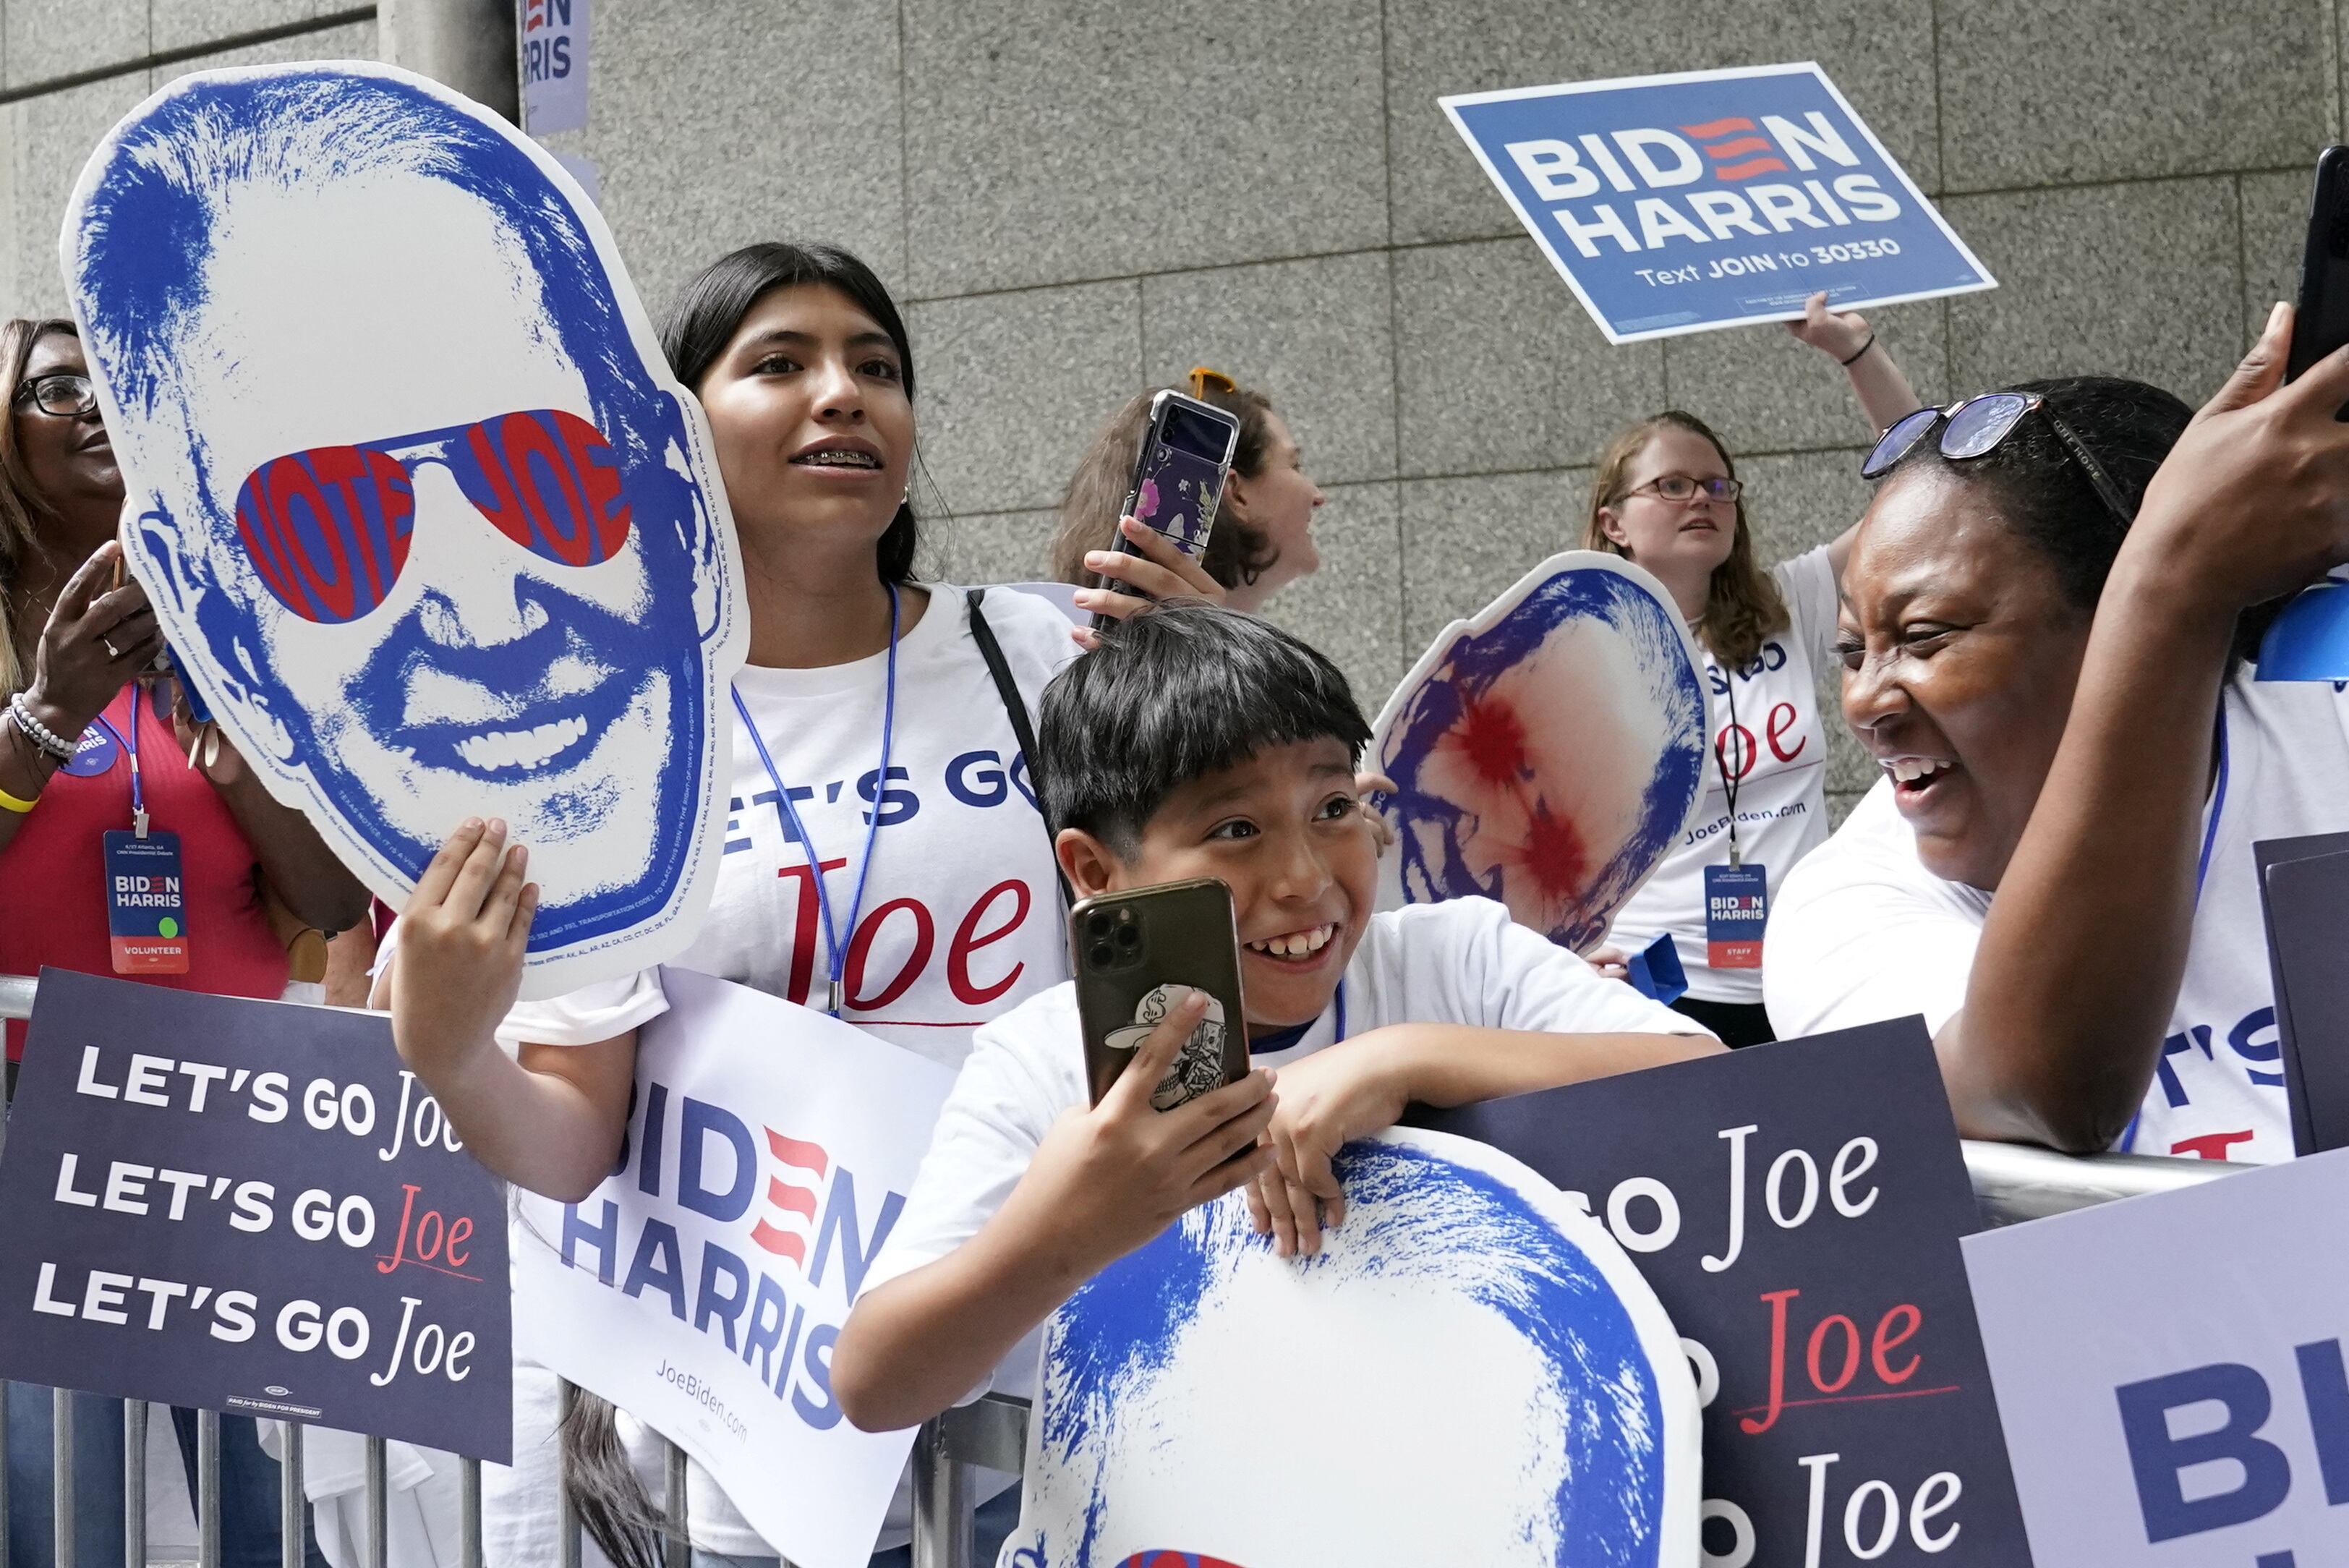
pixel 327 529
pixel 1204 380
pixel 1976 426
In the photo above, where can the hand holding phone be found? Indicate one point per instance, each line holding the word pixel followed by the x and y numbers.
pixel 1178 476
pixel 2320 317
pixel 1138 954
pixel 2309 639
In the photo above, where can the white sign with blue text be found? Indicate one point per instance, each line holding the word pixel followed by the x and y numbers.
pixel 554 65
pixel 701 1287
pixel 2169 1372
pixel 1706 199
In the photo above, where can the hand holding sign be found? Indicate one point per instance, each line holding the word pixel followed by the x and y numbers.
pixel 461 940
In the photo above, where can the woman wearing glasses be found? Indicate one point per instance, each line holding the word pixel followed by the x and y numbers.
pixel 1667 496
pixel 2048 609
pixel 76 712
pixel 1262 536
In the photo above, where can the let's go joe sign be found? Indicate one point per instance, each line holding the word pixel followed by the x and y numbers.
pixel 1797 1208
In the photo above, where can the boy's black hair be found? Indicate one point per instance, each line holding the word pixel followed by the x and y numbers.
pixel 1171 695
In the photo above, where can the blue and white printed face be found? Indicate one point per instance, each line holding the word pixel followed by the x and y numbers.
pixel 1471 1373
pixel 1546 753
pixel 489 680
pixel 422 510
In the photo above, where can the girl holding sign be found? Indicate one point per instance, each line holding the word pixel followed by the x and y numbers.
pixel 883 859
pixel 2048 610
pixel 1666 497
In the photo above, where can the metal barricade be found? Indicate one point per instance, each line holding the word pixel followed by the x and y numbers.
pixel 2012 1183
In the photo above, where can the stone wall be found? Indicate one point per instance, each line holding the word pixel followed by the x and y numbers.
pixel 1078 197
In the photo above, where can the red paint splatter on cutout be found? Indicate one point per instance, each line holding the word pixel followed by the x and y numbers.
pixel 1553 854
pixel 1494 739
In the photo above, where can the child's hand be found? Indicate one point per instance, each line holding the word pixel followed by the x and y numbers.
pixel 1353 1088
pixel 1107 1180
pixel 461 938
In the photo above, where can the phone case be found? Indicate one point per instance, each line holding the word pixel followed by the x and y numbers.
pixel 1131 948
pixel 2321 320
pixel 1177 493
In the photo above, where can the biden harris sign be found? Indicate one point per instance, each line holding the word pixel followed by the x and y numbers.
pixel 1679 203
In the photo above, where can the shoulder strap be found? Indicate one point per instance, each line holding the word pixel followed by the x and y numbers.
pixel 1015 708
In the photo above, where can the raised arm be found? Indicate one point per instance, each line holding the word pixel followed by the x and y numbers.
pixel 96 637
pixel 2084 946
pixel 1877 383
pixel 551 1121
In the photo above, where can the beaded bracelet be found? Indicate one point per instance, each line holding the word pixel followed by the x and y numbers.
pixel 40 734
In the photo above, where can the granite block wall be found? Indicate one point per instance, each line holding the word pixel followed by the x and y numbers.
pixel 1076 198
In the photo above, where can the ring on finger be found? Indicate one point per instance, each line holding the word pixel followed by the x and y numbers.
pixel 111 651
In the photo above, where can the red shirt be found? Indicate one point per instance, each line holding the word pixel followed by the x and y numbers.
pixel 52 873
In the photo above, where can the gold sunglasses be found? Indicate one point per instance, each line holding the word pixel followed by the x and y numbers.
pixel 1204 380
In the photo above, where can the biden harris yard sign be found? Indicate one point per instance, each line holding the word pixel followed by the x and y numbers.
pixel 1679 203
pixel 701 1286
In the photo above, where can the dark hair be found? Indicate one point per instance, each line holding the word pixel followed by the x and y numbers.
pixel 1237 553
pixel 2040 488
pixel 710 309
pixel 1171 695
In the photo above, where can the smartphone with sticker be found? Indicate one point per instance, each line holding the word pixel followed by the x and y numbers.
pixel 1135 953
pixel 1178 476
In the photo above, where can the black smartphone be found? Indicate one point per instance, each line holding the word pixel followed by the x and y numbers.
pixel 1178 476
pixel 1135 952
pixel 2321 319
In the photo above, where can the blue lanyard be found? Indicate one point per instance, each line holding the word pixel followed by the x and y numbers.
pixel 130 744
pixel 1341 1011
pixel 838 954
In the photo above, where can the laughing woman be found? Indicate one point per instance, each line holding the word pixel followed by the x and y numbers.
pixel 2047 609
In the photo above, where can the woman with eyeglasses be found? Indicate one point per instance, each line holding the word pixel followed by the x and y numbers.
pixel 80 706
pixel 1666 497
pixel 1263 535
pixel 2048 610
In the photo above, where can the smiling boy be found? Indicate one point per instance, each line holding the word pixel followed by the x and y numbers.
pixel 1198 741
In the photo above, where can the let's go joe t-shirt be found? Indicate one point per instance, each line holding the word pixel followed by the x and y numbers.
pixel 1778 752
pixel 1863 931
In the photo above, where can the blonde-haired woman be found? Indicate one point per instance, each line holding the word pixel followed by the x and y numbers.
pixel 1667 496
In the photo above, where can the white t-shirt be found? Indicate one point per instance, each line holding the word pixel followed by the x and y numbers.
pixel 1781 794
pixel 1863 931
pixel 961 918
pixel 1459 962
